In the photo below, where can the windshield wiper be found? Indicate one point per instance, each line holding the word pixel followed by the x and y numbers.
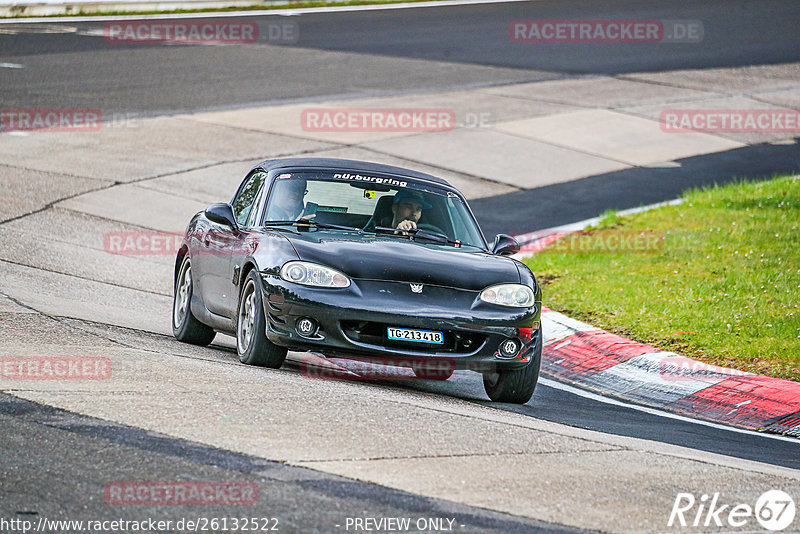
pixel 311 224
pixel 415 234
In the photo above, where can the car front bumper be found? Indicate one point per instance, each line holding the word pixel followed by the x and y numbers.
pixel 351 323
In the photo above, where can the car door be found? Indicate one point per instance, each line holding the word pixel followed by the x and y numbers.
pixel 219 291
pixel 242 246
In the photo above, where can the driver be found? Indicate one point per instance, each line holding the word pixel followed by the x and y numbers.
pixel 407 208
pixel 289 204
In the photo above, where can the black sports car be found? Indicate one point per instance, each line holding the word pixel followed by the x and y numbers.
pixel 359 260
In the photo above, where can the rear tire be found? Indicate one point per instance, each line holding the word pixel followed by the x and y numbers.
pixel 252 344
pixel 515 386
pixel 185 326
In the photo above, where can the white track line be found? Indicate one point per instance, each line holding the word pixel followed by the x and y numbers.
pixel 258 13
pixel 652 411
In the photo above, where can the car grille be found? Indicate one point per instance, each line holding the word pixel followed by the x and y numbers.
pixel 372 333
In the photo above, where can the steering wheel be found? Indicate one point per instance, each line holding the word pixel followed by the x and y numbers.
pixel 431 228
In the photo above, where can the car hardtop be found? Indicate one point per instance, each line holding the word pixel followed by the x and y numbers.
pixel 335 165
pixel 347 165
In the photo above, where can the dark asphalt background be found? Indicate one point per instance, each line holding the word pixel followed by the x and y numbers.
pixel 554 205
pixel 389 51
pixel 47 453
pixel 412 50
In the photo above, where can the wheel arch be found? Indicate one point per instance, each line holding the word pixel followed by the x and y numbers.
pixel 249 265
pixel 182 252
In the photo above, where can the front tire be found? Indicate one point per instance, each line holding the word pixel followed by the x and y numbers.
pixel 252 344
pixel 185 326
pixel 515 386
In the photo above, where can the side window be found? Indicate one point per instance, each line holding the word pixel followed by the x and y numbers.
pixel 247 196
pixel 464 227
pixel 257 208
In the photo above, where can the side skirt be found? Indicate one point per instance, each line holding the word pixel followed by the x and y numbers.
pixel 217 322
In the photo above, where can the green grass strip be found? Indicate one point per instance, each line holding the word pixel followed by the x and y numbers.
pixel 716 278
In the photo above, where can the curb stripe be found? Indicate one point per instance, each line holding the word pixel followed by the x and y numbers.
pixel 578 353
pixel 750 401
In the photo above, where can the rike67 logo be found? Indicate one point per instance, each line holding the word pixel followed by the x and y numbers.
pixel 774 510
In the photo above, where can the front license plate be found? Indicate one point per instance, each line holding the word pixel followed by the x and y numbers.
pixel 418 336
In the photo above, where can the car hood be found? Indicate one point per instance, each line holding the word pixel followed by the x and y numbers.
pixel 400 260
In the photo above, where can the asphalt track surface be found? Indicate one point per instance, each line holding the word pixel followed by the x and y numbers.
pixel 557 405
pixel 468 46
pixel 562 405
pixel 391 52
pixel 578 200
pixel 64 465
pixel 432 48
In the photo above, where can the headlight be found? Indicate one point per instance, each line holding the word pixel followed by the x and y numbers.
pixel 516 295
pixel 313 274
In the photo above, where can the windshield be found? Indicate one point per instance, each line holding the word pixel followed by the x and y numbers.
pixel 373 204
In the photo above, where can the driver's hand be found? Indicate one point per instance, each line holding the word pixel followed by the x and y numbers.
pixel 406 225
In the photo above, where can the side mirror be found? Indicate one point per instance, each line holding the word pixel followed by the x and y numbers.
pixel 505 245
pixel 221 213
